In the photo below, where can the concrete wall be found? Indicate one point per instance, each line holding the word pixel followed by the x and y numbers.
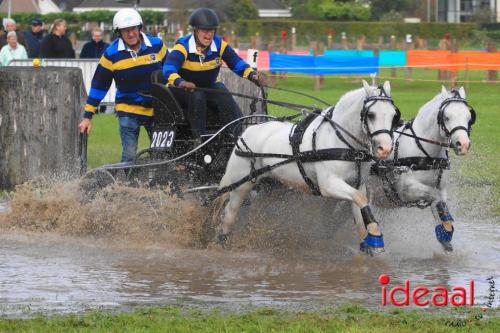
pixel 39 114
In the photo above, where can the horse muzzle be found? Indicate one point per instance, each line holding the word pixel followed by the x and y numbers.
pixel 461 147
pixel 382 146
pixel 382 151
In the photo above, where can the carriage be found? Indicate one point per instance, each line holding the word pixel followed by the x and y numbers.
pixel 174 158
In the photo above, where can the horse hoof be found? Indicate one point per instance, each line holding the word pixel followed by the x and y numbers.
pixel 444 237
pixel 372 245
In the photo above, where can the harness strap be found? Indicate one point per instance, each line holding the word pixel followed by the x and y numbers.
pixel 328 154
pixel 423 163
pixel 417 140
pixel 387 171
pixel 295 141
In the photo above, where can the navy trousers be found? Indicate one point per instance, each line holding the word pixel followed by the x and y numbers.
pixel 195 103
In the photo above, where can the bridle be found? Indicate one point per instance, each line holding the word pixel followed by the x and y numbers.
pixel 368 103
pixel 440 117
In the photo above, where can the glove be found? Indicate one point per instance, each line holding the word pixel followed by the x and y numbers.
pixel 259 80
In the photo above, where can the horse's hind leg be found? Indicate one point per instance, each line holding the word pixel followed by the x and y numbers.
pixel 236 198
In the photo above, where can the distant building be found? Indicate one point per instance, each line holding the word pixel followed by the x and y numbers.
pixel 272 8
pixel 455 11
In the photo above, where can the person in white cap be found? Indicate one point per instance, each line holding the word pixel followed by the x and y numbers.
pixel 129 60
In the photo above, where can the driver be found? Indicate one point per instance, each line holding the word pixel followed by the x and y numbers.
pixel 195 61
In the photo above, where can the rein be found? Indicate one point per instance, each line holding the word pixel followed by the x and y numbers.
pixel 294 106
pixel 437 143
pixel 304 109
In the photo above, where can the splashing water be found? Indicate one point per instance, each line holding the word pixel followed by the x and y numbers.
pixel 134 246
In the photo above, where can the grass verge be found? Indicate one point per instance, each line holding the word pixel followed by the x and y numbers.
pixel 348 318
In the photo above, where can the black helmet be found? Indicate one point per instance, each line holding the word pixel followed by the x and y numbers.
pixel 204 18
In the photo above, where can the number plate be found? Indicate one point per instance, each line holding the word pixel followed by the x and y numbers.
pixel 163 139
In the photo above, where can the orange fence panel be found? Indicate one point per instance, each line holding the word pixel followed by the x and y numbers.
pixel 428 59
pixel 478 60
pixel 453 61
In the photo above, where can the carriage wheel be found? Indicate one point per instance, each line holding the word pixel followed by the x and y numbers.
pixel 93 182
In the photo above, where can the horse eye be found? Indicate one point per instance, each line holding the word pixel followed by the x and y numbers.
pixel 370 116
pixel 446 118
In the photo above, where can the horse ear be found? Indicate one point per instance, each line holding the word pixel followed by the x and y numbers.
pixel 461 91
pixel 444 92
pixel 367 87
pixel 387 88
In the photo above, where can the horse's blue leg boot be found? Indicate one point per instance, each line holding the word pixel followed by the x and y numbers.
pixel 443 236
pixel 371 243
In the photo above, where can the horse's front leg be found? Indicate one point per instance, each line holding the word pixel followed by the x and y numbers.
pixel 444 229
pixel 236 198
pixel 371 238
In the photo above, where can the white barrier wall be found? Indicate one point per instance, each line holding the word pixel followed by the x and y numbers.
pixel 87 66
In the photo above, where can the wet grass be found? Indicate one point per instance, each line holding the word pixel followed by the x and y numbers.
pixel 481 168
pixel 348 318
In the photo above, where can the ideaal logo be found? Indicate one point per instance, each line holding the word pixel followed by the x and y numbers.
pixel 423 296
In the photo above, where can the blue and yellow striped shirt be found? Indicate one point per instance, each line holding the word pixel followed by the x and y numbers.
pixel 184 63
pixel 132 74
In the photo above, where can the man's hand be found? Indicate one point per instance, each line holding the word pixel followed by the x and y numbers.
pixel 259 80
pixel 187 84
pixel 85 125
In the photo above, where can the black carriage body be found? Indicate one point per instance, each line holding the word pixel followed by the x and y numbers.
pixel 194 162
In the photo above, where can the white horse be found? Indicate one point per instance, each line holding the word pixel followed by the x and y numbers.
pixel 337 147
pixel 413 174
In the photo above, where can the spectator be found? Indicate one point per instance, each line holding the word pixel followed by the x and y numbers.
pixel 13 50
pixel 56 44
pixel 34 37
pixel 95 48
pixel 10 25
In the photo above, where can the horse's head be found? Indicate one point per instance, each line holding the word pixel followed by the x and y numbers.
pixel 379 118
pixel 455 119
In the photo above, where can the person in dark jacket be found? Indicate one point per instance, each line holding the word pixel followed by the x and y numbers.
pixel 34 38
pixel 56 44
pixel 95 48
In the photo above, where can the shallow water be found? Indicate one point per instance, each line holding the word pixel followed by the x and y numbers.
pixel 283 255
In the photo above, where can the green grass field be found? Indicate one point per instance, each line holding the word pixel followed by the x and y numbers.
pixel 348 318
pixel 481 168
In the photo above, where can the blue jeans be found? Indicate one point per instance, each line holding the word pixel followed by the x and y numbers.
pixel 129 135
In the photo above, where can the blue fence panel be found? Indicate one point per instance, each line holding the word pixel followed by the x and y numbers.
pixel 322 65
pixel 392 58
pixel 349 53
pixel 291 63
pixel 353 65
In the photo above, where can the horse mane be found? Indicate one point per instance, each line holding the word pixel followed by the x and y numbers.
pixel 431 106
pixel 350 98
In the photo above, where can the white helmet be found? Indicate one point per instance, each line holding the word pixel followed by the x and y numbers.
pixel 126 18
